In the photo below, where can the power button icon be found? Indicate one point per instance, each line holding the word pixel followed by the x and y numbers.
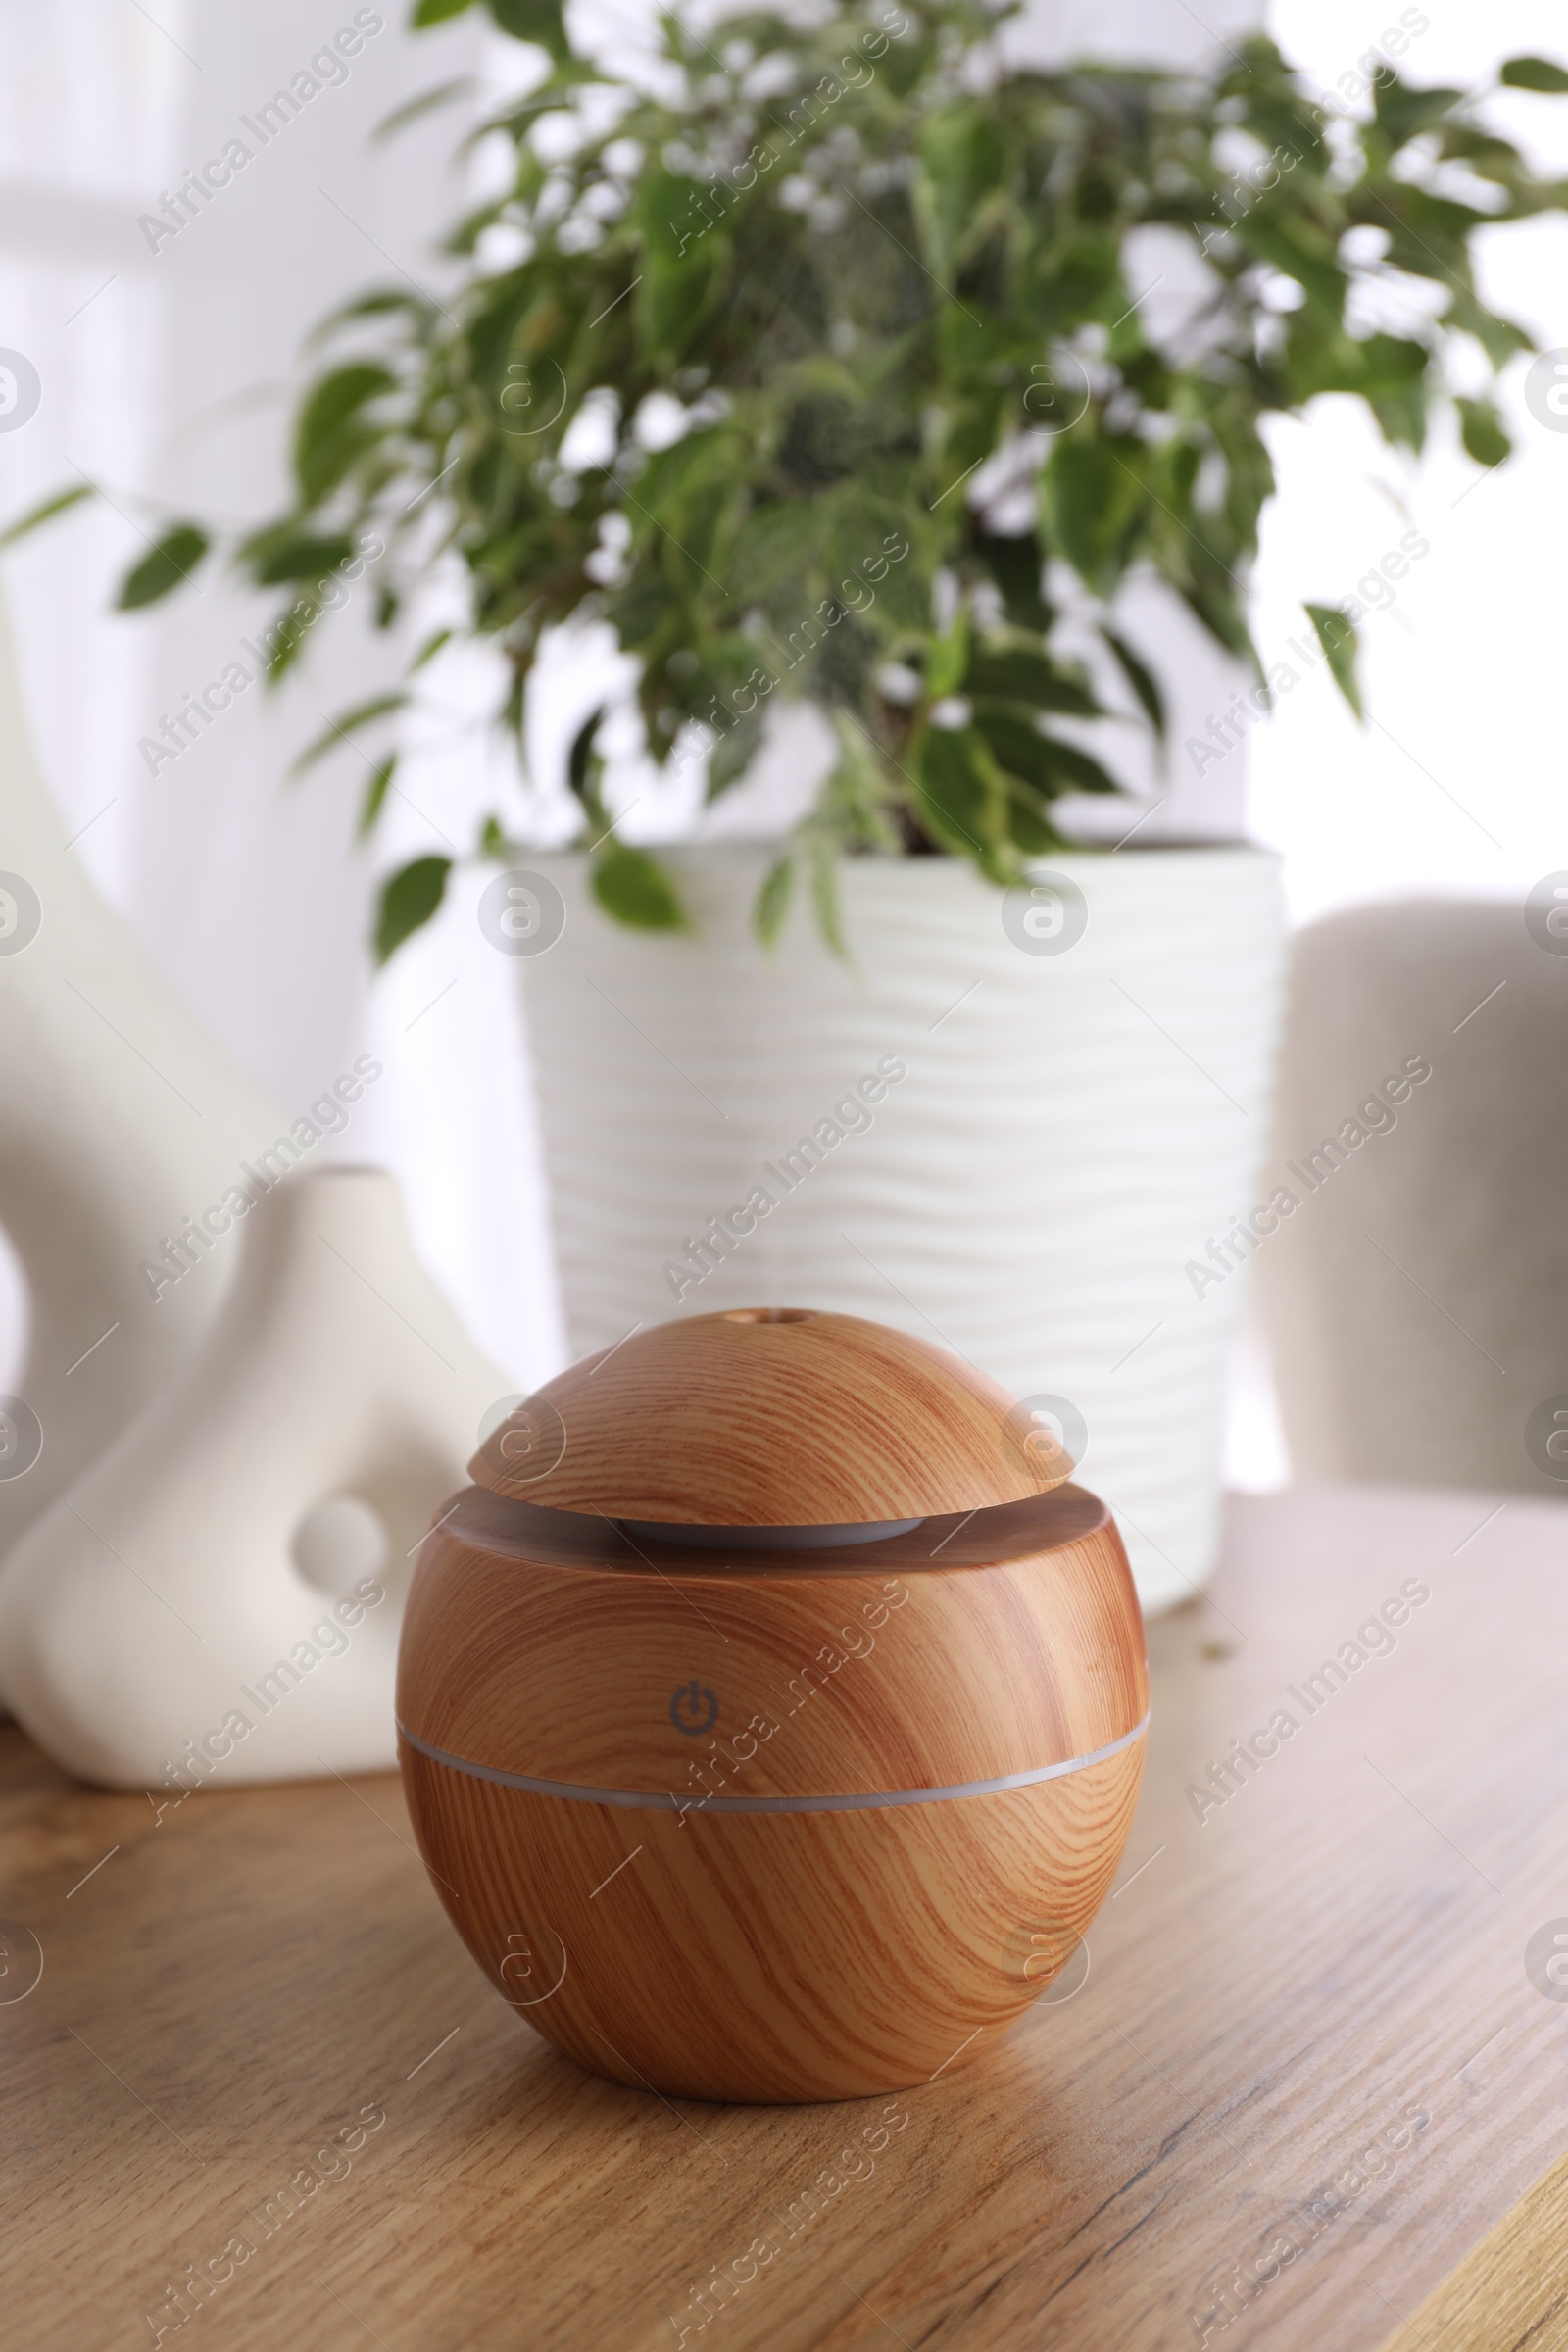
pixel 694 1708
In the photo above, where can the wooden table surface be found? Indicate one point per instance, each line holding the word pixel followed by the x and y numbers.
pixel 1305 2074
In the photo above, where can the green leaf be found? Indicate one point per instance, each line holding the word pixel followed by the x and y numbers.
pixel 734 753
pixel 427 103
pixel 962 799
pixel 1031 829
pixel 338 730
pixel 682 223
pixel 286 552
pixel 1481 431
pixel 674 295
pixel 50 507
pixel 429 648
pixel 1401 113
pixel 674 484
pixel 964 151
pixel 1336 634
pixel 495 845
pixel 333 397
pixel 1077 771
pixel 375 792
pixel 1532 74
pixel 1044 762
pixel 1489 156
pixel 773 900
pixel 1217 605
pixel 1017 742
pixel 825 895
pixel 171 563
pixel 1375 366
pixel 1069 283
pixel 1302 251
pixel 583 763
pixel 1015 566
pixel 407 902
pixel 1500 338
pixel 635 888
pixel 853 805
pixel 436 11
pixel 776 546
pixel 538 20
pixel 1401 414
pixel 386 302
pixel 1091 502
pixel 1389 361
pixel 949 657
pixel 1021 674
pixel 1140 679
pixel 331 432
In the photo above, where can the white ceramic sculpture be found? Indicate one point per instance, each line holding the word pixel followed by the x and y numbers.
pixel 195 1468
pixel 121 1120
pixel 218 1599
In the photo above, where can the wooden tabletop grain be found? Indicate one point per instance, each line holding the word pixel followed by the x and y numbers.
pixel 259 2095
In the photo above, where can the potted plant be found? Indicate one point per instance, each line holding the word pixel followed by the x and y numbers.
pixel 819 374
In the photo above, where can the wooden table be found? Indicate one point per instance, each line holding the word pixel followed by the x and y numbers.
pixel 1305 2074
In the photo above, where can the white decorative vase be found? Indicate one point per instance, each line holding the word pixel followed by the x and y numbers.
pixel 220 1595
pixel 1076 1119
pixel 119 1120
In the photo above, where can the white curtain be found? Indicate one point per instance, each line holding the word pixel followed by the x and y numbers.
pixel 164 363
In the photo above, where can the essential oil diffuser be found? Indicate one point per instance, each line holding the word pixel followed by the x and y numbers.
pixel 771 1713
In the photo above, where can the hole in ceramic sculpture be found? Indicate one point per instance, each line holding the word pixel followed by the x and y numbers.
pixel 769 1314
pixel 771 1539
pixel 339 1542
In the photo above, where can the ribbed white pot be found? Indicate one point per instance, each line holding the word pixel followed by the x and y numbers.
pixel 1072 1126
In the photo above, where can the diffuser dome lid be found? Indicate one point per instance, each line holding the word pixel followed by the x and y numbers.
pixel 771 1417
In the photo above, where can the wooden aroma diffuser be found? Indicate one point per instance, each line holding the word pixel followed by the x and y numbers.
pixel 771 1713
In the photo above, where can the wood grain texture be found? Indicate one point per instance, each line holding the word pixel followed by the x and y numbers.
pixel 771 1417
pixel 746 1954
pixel 918 1663
pixel 776 1956
pixel 1269 1990
pixel 1511 2293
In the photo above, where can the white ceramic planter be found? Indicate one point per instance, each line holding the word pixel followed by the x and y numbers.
pixel 1074 1125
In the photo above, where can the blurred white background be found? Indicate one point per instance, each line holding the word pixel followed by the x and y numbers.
pixel 1458 782
pixel 166 379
